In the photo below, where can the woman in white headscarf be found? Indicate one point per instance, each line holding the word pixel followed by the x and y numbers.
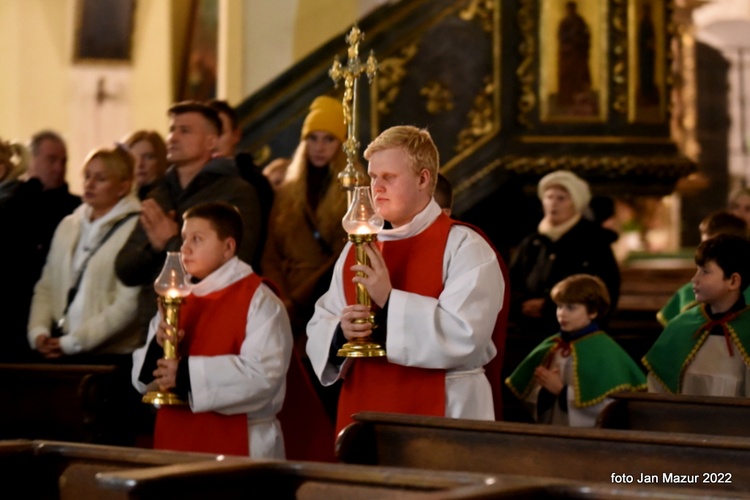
pixel 564 244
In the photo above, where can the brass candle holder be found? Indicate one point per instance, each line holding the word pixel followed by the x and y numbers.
pixel 172 287
pixel 362 223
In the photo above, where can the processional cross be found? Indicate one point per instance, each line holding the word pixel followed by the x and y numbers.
pixel 349 178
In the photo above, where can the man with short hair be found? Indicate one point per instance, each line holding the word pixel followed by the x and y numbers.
pixel 30 215
pixel 228 143
pixel 439 294
pixel 195 176
pixel 49 157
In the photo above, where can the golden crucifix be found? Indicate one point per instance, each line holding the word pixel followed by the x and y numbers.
pixel 349 178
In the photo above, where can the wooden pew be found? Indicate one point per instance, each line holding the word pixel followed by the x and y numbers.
pixel 677 413
pixel 72 403
pixel 293 480
pixel 589 455
pixel 57 470
pixel 53 470
pixel 318 481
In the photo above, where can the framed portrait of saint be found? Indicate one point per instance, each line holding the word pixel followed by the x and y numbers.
pixel 573 73
pixel 647 47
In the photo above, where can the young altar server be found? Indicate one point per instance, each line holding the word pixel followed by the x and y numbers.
pixel 703 351
pixel 439 292
pixel 721 222
pixel 566 379
pixel 235 343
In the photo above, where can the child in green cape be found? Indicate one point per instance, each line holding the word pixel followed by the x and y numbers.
pixel 566 380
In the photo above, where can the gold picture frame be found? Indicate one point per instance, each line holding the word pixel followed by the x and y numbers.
pixel 573 72
pixel 647 99
pixel 104 30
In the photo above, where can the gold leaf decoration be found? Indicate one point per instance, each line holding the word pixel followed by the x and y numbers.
pixel 439 97
pixel 481 117
pixel 525 72
pixel 391 73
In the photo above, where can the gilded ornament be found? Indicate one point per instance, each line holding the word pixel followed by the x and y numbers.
pixel 481 10
pixel 525 72
pixel 481 117
pixel 439 97
pixel 391 73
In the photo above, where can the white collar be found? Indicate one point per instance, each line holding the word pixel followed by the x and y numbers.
pixel 232 271
pixel 419 223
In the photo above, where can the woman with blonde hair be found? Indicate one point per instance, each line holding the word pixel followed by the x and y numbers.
pixel 14 159
pixel 150 153
pixel 305 235
pixel 79 306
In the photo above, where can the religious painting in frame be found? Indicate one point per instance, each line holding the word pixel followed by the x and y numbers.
pixel 199 71
pixel 647 47
pixel 104 30
pixel 573 72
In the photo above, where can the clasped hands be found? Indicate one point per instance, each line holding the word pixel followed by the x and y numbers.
pixel 550 379
pixel 48 347
pixel 159 227
pixel 377 281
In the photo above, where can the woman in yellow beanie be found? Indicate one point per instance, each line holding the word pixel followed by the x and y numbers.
pixel 305 235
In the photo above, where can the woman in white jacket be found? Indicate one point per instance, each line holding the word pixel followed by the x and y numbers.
pixel 99 317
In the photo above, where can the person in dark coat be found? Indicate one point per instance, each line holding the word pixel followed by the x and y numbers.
pixel 228 144
pixel 564 244
pixel 30 213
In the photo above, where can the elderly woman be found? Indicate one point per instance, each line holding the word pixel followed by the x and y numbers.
pixel 13 163
pixel 564 244
pixel 79 305
pixel 150 154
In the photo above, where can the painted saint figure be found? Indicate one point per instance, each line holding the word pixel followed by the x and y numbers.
pixel 573 73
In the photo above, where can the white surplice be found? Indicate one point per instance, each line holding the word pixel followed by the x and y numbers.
pixel 253 382
pixel 452 332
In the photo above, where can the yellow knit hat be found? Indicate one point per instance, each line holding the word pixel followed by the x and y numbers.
pixel 326 114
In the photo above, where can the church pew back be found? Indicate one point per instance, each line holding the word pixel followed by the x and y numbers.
pixel 72 403
pixel 590 455
pixel 318 481
pixel 57 470
pixel 677 413
pixel 291 480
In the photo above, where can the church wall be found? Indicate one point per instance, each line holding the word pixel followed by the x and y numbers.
pixel 41 87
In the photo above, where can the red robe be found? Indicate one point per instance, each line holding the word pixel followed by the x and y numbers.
pixel 214 325
pixel 415 265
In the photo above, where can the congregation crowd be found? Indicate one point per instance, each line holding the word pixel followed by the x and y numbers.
pixel 273 297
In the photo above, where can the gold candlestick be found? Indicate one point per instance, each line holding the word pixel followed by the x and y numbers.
pixel 173 287
pixel 362 223
pixel 349 178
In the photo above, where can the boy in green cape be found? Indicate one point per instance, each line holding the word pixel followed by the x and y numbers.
pixel 704 350
pixel 721 222
pixel 566 379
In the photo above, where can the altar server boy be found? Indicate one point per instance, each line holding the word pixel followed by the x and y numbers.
pixel 235 345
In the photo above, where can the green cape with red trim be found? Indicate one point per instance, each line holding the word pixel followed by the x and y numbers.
pixel 600 368
pixel 677 345
pixel 682 300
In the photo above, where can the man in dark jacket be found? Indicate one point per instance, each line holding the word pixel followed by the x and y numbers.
pixel 195 176
pixel 31 213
